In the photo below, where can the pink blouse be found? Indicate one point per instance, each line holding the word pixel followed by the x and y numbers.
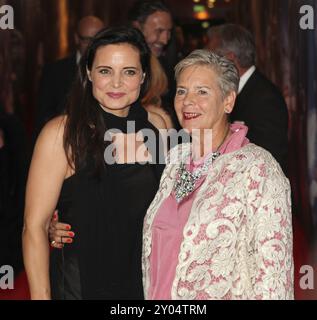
pixel 168 225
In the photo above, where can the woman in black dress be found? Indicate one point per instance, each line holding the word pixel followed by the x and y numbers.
pixel 104 202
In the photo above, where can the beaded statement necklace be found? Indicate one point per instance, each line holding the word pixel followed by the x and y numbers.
pixel 186 181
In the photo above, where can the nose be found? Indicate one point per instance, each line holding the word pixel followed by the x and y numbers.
pixel 188 99
pixel 165 37
pixel 116 80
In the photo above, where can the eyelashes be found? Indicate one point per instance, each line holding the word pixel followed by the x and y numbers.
pixel 128 72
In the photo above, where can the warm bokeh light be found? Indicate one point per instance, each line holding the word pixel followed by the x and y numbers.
pixel 63 25
pixel 203 15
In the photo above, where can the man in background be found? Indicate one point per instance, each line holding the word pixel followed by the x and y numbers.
pixel 58 77
pixel 260 104
pixel 155 21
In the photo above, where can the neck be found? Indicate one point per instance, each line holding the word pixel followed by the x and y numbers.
pixel 207 140
pixel 122 113
pixel 242 71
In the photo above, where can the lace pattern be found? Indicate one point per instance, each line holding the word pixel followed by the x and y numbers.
pixel 238 241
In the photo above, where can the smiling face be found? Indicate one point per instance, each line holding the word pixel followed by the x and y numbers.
pixel 198 101
pixel 116 77
pixel 157 31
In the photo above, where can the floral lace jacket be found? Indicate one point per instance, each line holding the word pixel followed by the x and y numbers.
pixel 238 240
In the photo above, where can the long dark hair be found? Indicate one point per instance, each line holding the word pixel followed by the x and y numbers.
pixel 85 126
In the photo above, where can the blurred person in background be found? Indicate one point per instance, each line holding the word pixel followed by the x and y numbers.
pixel 57 77
pixel 152 101
pixel 13 161
pixel 260 104
pixel 154 19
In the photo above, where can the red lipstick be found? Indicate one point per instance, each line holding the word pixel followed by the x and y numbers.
pixel 190 115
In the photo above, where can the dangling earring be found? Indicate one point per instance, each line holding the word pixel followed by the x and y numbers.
pixel 143 78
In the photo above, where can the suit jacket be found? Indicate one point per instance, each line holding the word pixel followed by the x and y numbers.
pixel 261 106
pixel 55 85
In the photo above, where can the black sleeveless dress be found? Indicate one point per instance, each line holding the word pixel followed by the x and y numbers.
pixel 106 214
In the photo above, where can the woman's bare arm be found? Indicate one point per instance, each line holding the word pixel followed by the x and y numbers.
pixel 48 170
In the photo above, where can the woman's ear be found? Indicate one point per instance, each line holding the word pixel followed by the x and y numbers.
pixel 229 102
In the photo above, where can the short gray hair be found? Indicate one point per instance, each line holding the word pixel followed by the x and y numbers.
pixel 228 76
pixel 236 39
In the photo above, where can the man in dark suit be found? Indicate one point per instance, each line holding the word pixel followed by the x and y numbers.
pixel 58 77
pixel 260 105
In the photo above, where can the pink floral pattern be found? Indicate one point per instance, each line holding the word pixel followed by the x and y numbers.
pixel 237 243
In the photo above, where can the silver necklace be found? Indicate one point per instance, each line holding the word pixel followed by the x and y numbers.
pixel 186 181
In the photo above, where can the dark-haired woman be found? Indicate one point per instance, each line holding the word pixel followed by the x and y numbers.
pixel 104 203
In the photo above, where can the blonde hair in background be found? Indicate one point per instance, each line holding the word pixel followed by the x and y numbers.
pixel 158 84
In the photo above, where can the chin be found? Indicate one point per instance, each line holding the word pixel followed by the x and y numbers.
pixel 190 126
pixel 157 52
pixel 188 129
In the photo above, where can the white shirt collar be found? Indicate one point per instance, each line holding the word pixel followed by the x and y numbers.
pixel 246 76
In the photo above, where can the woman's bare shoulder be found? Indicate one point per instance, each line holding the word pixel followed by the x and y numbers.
pixel 54 129
pixel 163 114
pixel 157 120
pixel 51 138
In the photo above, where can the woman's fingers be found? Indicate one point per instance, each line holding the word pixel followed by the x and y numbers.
pixel 57 226
pixel 56 245
pixel 62 226
pixel 61 233
pixel 55 215
pixel 53 222
pixel 61 240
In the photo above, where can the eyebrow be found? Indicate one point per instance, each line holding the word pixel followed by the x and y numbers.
pixel 201 87
pixel 99 67
pixel 197 87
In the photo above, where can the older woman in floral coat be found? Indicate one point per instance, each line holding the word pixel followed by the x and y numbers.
pixel 220 225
